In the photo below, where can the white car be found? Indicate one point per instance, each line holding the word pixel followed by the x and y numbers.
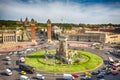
pixel 22 77
pixel 7 58
pixel 68 77
pixel 86 77
pixel 102 79
pixel 8 62
pixel 8 72
pixel 40 77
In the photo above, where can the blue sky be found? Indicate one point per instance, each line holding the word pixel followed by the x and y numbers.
pixel 62 11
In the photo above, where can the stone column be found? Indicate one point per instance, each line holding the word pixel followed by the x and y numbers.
pixel 33 32
pixel 48 30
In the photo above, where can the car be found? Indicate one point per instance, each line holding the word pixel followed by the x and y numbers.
pixel 107 52
pixel 8 72
pixel 100 75
pixel 22 72
pixel 114 68
pixel 102 79
pixel 87 74
pixel 114 72
pixel 22 59
pixel 85 78
pixel 116 64
pixel 94 73
pixel 26 68
pixel 68 77
pixel 109 66
pixel 40 77
pixel 22 77
pixel 7 58
pixel 103 72
pixel 8 62
pixel 108 72
pixel 118 68
pixel 75 75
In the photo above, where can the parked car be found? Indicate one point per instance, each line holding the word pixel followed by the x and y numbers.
pixel 22 59
pixel 40 77
pixel 88 74
pixel 114 68
pixel 8 62
pixel 7 58
pixel 22 77
pixel 22 72
pixel 108 72
pixel 100 75
pixel 75 75
pixel 114 72
pixel 26 68
pixel 102 79
pixel 85 78
pixel 68 77
pixel 94 73
pixel 8 72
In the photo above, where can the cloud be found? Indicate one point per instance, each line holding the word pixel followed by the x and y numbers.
pixel 58 11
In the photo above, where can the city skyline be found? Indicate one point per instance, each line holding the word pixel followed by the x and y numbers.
pixel 62 11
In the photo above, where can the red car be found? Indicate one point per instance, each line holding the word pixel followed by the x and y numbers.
pixel 114 68
pixel 75 75
pixel 114 72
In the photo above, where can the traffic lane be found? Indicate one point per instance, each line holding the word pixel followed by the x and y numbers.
pixel 107 77
pixel 16 71
pixel 12 66
pixel 49 76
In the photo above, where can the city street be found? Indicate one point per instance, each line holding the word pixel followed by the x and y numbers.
pixel 50 76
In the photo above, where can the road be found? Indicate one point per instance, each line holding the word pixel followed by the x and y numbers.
pixel 49 76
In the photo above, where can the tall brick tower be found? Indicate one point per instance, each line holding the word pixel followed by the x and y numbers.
pixel 32 24
pixel 49 30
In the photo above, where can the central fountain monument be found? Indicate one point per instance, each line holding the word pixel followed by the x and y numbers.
pixel 62 52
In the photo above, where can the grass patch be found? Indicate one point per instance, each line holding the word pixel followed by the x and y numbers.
pixel 91 62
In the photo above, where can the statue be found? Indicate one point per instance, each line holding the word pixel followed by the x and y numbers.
pixel 62 53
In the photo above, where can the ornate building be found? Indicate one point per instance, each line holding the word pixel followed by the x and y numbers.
pixel 25 32
pixel 95 36
pixel 10 36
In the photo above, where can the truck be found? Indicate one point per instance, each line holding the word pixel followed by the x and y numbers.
pixel 27 68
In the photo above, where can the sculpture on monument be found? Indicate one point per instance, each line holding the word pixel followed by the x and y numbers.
pixel 63 53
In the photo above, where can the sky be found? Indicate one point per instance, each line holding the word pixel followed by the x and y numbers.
pixel 62 11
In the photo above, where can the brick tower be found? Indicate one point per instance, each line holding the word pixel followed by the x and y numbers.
pixel 32 24
pixel 48 30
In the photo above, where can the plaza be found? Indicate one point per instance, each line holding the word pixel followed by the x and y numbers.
pixel 59 40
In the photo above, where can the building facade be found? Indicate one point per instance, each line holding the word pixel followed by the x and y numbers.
pixel 102 37
pixel 10 36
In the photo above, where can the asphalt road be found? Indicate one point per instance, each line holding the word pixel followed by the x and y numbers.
pixel 49 76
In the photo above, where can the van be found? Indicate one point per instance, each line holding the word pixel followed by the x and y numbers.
pixel 26 68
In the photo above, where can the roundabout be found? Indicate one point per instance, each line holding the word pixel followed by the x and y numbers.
pixel 84 61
